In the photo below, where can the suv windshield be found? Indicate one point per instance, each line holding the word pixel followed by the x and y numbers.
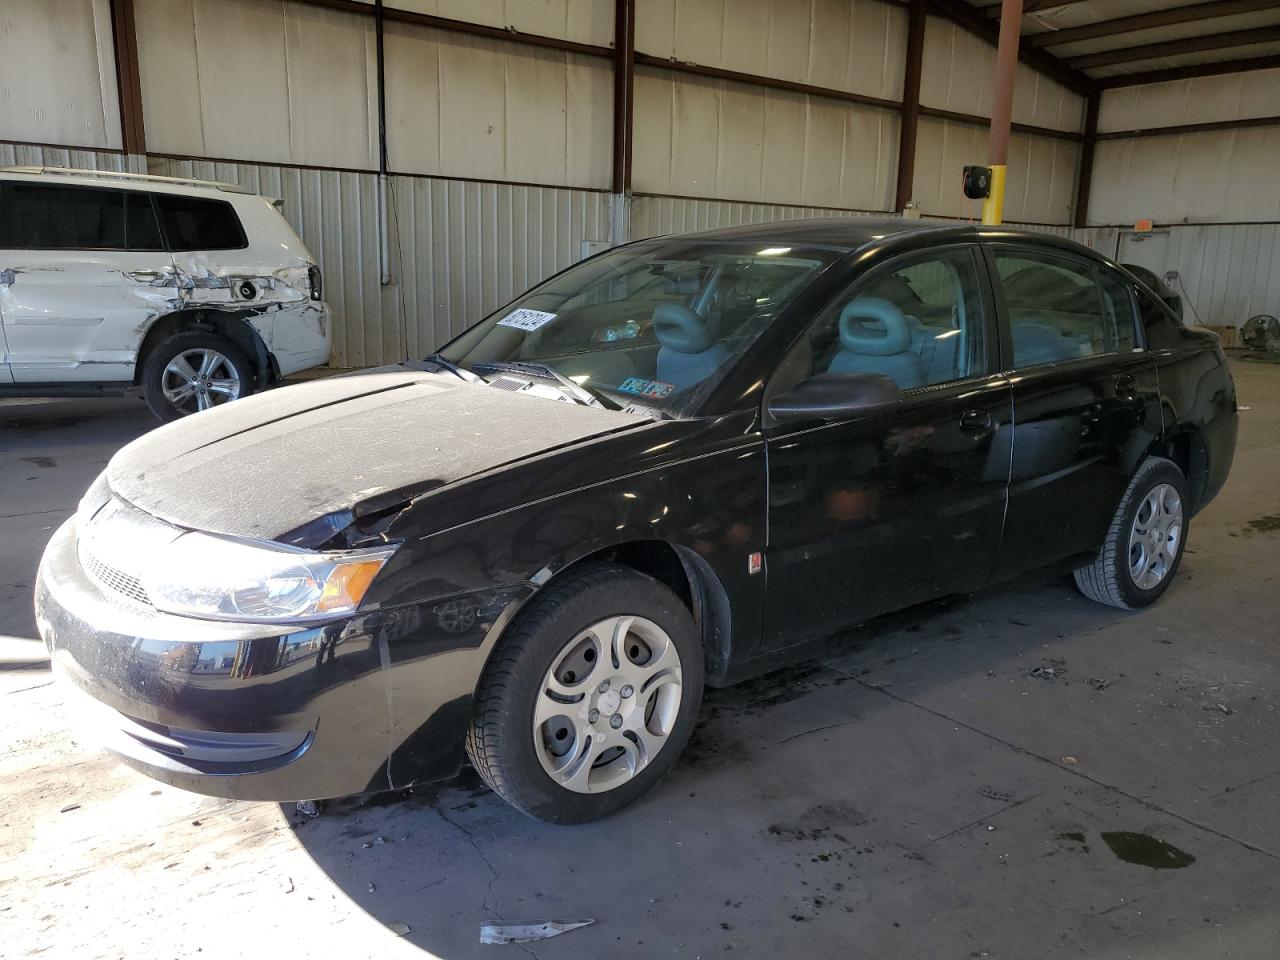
pixel 650 325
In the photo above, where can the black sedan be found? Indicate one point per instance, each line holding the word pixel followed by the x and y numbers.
pixel 683 462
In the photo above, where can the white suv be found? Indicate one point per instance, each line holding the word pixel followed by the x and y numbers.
pixel 199 292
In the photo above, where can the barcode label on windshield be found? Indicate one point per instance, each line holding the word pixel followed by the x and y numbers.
pixel 526 319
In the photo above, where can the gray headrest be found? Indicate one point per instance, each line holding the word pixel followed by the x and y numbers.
pixel 889 335
pixel 680 329
pixel 683 284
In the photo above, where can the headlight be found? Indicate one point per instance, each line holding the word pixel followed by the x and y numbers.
pixel 219 578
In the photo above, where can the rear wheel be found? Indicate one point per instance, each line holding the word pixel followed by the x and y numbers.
pixel 1145 542
pixel 590 697
pixel 192 371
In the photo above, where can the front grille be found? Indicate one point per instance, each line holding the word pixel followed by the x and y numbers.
pixel 115 580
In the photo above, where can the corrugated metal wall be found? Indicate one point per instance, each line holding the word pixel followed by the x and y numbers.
pixel 26 154
pixel 465 249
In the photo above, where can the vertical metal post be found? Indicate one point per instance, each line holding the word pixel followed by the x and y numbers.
pixel 1002 108
pixel 910 104
pixel 624 65
pixel 1085 180
pixel 384 240
pixel 128 80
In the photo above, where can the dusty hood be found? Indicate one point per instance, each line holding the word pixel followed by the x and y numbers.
pixel 268 464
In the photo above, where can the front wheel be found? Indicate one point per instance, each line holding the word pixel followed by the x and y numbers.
pixel 1145 542
pixel 192 371
pixel 590 697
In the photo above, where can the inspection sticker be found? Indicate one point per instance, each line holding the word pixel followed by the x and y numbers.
pixel 526 319
pixel 646 388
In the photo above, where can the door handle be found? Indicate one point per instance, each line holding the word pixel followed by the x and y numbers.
pixel 976 421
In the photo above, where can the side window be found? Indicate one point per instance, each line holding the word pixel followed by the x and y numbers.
pixel 36 216
pixel 918 319
pixel 1117 309
pixel 1057 310
pixel 141 231
pixel 196 223
pixel 1160 324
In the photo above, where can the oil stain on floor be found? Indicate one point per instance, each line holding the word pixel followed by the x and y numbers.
pixel 1146 850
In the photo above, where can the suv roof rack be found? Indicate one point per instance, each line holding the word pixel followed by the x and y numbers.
pixel 133 177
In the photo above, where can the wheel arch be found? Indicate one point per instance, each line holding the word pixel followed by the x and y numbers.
pixel 689 576
pixel 234 326
pixel 1185 445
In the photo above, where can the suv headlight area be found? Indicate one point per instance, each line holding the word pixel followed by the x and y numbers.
pixel 214 577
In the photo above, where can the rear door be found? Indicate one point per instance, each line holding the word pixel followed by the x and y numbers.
pixel 1085 399
pixel 83 273
pixel 903 504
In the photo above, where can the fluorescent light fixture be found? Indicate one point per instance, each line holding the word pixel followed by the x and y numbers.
pixel 949 333
pixel 773 251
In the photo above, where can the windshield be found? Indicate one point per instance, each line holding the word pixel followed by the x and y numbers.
pixel 650 326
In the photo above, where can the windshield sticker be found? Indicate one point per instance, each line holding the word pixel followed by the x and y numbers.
pixel 647 388
pixel 526 320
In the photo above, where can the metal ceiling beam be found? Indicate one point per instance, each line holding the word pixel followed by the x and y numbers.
pixel 972 19
pixel 1146 21
pixel 1190 71
pixel 1029 6
pixel 1173 48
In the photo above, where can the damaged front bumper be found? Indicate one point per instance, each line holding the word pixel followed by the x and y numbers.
pixel 249 712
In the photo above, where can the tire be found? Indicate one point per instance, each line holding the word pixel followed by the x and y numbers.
pixel 160 382
pixel 1111 578
pixel 517 757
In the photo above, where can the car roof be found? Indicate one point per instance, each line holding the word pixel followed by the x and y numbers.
pixel 121 179
pixel 852 233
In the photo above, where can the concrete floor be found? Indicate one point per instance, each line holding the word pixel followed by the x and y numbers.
pixel 926 794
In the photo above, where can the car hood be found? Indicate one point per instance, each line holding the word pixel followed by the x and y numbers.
pixel 268 464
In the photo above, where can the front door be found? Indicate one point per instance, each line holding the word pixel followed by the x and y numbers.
pixel 1086 401
pixel 882 511
pixel 82 274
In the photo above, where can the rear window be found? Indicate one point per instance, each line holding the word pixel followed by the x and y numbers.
pixel 34 216
pixel 195 223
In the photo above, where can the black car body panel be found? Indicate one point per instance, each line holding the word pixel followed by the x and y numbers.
pixel 775 534
pixel 346 442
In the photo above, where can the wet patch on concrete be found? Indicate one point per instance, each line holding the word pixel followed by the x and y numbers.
pixel 1146 850
pixel 45 462
pixel 1267 524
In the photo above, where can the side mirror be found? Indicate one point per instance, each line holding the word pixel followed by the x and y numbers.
pixel 835 396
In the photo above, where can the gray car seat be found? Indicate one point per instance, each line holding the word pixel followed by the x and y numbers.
pixel 875 338
pixel 689 353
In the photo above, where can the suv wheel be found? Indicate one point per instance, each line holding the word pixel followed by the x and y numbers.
pixel 193 371
pixel 590 696
pixel 1145 542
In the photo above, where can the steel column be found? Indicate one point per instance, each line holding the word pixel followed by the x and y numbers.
pixel 910 104
pixel 128 80
pixel 1002 107
pixel 1084 181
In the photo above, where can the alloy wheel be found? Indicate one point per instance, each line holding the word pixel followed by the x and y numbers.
pixel 198 379
pixel 608 704
pixel 1155 537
